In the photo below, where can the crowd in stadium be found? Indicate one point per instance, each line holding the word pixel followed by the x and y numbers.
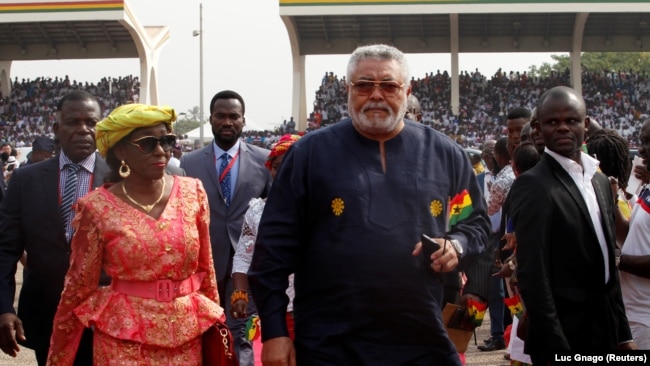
pixel 29 111
pixel 618 100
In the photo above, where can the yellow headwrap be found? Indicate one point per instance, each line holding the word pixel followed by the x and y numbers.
pixel 127 118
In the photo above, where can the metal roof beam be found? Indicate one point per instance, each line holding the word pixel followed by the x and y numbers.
pixel 610 27
pixel 45 35
pixel 547 31
pixel 356 28
pixel 486 27
pixel 74 32
pixel 642 26
pixel 106 34
pixel 325 32
pixel 19 41
pixel 422 32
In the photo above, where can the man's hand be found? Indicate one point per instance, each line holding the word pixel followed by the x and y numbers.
pixel 444 259
pixel 642 173
pixel 627 346
pixel 278 352
pixel 11 328
pixel 506 270
pixel 238 309
pixel 511 241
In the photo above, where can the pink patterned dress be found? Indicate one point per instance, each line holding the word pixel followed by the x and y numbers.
pixel 129 245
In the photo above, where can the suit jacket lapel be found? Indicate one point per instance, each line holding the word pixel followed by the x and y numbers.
pixel 210 166
pixel 571 187
pixel 244 152
pixel 51 196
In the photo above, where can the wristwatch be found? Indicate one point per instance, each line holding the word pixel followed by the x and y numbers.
pixel 457 247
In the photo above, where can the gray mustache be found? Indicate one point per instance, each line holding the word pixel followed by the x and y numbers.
pixel 375 106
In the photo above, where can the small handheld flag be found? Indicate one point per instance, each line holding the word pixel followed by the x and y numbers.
pixel 515 305
pixel 253 328
pixel 460 207
pixel 476 311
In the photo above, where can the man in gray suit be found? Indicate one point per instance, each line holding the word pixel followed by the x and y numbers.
pixel 31 220
pixel 232 173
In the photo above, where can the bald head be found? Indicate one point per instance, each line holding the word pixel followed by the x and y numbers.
pixel 562 121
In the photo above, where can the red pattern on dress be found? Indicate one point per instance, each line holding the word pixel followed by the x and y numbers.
pixel 130 245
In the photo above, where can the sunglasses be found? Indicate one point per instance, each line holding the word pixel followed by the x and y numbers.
pixel 366 87
pixel 148 143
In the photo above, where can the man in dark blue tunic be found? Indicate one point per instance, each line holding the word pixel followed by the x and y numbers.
pixel 345 214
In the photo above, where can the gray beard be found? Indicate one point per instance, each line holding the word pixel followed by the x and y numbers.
pixel 377 125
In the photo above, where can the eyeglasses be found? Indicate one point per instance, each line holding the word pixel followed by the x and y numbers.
pixel 366 87
pixel 148 143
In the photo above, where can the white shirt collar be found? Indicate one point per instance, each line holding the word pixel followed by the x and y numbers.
pixel 589 165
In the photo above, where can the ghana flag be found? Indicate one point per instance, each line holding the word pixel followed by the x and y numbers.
pixel 476 311
pixel 460 207
pixel 253 328
pixel 515 305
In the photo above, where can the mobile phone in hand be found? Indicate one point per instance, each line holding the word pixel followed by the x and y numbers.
pixel 429 246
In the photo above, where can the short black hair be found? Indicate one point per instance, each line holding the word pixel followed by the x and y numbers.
pixel 75 96
pixel 525 157
pixel 501 147
pixel 520 112
pixel 228 94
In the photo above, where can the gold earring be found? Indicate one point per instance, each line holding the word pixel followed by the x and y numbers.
pixel 124 170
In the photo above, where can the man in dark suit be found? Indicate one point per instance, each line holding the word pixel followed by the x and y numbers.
pixel 564 223
pixel 248 177
pixel 31 220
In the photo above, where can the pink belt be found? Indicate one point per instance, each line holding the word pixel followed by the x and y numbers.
pixel 161 290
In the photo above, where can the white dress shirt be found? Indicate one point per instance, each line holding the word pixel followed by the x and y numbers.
pixel 581 175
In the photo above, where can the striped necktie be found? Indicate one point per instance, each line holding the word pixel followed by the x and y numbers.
pixel 69 197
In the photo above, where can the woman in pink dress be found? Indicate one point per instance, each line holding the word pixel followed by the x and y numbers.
pixel 148 231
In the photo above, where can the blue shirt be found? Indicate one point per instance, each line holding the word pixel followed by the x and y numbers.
pixel 234 170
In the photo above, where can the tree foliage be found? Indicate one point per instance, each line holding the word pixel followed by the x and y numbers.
pixel 636 62
pixel 187 121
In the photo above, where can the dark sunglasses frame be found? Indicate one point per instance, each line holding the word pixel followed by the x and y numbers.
pixel 148 144
pixel 366 87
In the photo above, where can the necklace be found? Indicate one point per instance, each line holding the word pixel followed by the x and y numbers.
pixel 146 208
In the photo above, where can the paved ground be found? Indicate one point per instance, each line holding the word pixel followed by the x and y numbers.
pixel 474 357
